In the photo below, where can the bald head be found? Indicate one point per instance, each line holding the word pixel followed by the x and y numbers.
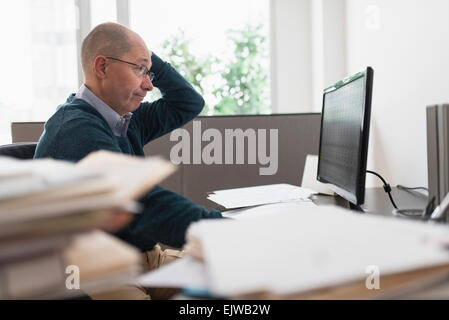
pixel 120 84
pixel 108 39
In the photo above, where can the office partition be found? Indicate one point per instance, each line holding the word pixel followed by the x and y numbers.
pixel 297 136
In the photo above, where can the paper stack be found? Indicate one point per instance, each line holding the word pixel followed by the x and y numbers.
pixel 259 195
pixel 291 254
pixel 48 211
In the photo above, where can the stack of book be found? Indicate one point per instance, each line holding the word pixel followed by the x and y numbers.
pixel 55 217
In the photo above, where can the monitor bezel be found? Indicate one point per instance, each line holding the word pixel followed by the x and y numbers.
pixel 357 198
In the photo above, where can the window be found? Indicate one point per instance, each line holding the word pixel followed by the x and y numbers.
pixel 102 11
pixel 221 47
pixel 38 60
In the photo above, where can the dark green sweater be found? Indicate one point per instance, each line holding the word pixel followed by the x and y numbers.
pixel 77 128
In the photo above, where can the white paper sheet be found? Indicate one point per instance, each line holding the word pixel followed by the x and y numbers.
pixel 253 196
pixel 322 246
pixel 269 209
pixel 309 179
pixel 21 177
pixel 187 272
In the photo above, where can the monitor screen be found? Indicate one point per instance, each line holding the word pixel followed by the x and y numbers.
pixel 344 136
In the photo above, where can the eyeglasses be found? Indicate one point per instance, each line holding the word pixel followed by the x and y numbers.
pixel 143 71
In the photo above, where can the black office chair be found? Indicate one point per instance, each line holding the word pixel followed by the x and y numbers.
pixel 19 150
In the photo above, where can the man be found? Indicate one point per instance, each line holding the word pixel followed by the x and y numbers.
pixel 107 113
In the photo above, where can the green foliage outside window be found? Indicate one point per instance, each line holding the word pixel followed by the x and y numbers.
pixel 236 85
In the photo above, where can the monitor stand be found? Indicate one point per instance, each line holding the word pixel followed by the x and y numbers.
pixel 342 202
pixel 355 207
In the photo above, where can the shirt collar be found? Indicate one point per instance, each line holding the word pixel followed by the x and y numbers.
pixel 118 124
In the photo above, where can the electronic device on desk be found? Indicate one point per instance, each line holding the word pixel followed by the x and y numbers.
pixel 438 159
pixel 345 123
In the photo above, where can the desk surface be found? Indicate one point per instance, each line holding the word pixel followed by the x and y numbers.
pixel 377 201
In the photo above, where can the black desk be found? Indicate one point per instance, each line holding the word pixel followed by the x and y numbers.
pixel 377 201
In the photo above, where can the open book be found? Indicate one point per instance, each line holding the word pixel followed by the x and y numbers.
pixel 49 188
pixel 101 262
pixel 48 207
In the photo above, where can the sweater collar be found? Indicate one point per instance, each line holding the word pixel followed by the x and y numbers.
pixel 118 124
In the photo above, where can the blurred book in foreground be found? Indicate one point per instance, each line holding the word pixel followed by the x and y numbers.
pixel 102 180
pixel 318 252
pixel 101 261
pixel 48 210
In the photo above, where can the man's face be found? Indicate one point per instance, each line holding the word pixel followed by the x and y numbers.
pixel 124 86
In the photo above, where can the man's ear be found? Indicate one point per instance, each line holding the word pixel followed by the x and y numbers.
pixel 100 67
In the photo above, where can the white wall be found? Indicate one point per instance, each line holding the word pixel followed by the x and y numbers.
pixel 291 69
pixel 407 44
pixel 316 42
pixel 308 52
pixel 328 49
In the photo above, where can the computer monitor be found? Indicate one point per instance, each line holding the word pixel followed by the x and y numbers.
pixel 437 153
pixel 345 123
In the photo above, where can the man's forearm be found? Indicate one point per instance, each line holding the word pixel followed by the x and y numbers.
pixel 176 90
pixel 180 103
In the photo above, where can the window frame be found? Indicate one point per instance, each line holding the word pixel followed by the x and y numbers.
pixel 83 13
